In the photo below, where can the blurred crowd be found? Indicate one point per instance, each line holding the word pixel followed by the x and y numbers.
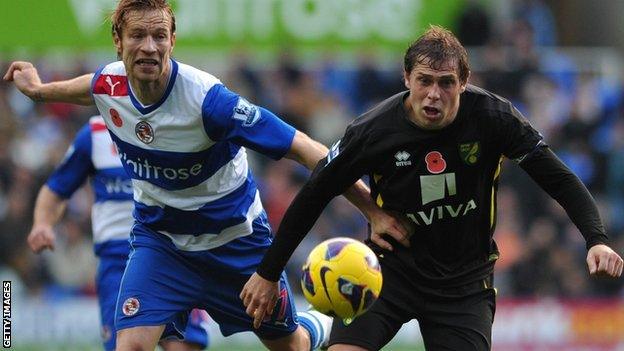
pixel 579 110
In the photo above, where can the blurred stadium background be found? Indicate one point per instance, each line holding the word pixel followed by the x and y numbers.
pixel 318 64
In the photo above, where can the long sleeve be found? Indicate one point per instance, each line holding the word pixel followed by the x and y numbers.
pixel 552 175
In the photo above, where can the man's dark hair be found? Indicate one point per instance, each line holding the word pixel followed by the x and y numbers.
pixel 436 47
pixel 118 17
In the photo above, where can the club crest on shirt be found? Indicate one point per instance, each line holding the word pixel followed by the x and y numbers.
pixel 131 306
pixel 246 112
pixel 469 152
pixel 144 132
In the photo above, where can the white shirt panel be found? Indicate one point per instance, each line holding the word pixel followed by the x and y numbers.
pixel 223 182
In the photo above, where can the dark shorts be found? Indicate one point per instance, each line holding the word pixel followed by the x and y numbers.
pixel 455 319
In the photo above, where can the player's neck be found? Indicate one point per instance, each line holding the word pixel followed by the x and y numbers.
pixel 149 93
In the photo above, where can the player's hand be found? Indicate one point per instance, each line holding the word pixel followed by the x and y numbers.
pixel 385 223
pixel 41 237
pixel 603 261
pixel 25 77
pixel 259 297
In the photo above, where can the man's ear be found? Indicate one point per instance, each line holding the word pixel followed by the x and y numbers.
pixel 406 80
pixel 117 42
pixel 463 87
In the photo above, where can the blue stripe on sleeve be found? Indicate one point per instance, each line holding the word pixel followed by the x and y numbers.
pixel 228 116
pixel 76 166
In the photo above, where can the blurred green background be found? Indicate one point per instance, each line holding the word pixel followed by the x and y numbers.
pixel 318 64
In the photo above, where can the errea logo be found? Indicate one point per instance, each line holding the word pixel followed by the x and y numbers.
pixel 402 158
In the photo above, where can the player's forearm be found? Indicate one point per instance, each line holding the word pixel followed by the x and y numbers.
pixel 309 152
pixel 306 151
pixel 297 222
pixel 566 188
pixel 359 195
pixel 75 91
pixel 49 208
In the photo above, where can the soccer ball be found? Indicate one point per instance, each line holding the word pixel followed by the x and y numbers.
pixel 341 278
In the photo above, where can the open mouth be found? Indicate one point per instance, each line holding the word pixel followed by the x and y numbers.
pixel 146 62
pixel 431 111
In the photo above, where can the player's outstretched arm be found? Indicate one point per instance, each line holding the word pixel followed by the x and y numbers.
pixel 49 209
pixel 25 77
pixel 552 175
pixel 603 261
pixel 308 152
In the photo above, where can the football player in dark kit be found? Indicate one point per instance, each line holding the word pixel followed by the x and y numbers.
pixel 433 156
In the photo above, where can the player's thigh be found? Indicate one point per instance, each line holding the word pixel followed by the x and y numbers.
pixel 465 324
pixel 227 269
pixel 397 304
pixel 159 285
pixel 370 331
pixel 223 304
pixel 139 338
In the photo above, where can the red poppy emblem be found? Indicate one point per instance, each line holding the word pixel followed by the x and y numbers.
pixel 435 162
pixel 117 121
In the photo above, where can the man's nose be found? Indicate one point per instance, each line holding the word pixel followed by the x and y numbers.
pixel 148 45
pixel 434 92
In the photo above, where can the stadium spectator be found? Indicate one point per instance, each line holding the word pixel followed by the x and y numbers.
pixel 474 26
pixel 539 16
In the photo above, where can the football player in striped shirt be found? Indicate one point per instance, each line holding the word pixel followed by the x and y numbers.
pixel 93 157
pixel 200 228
